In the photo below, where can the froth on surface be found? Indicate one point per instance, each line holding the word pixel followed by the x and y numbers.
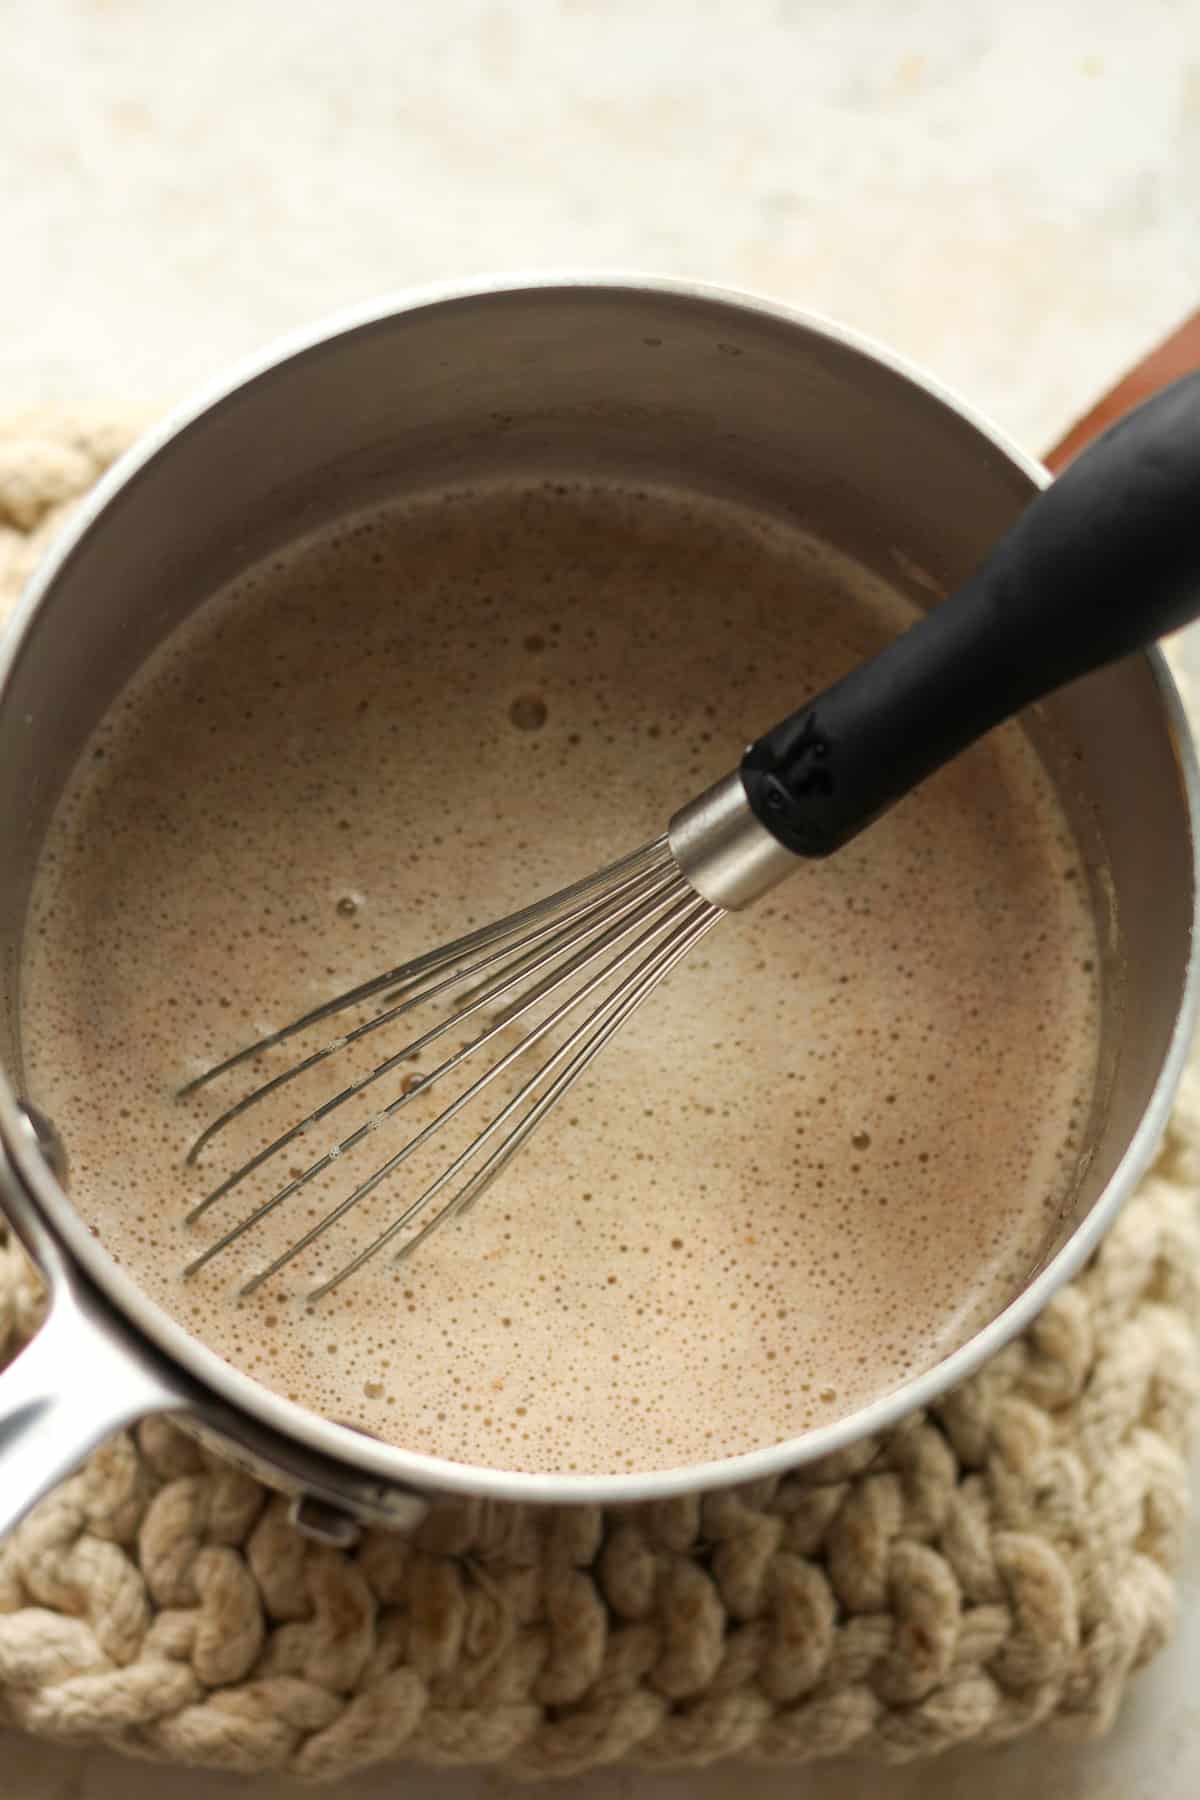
pixel 830 1147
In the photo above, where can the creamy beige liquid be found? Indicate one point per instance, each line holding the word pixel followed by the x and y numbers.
pixel 829 1148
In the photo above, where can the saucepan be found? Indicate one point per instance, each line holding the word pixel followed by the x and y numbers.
pixel 625 378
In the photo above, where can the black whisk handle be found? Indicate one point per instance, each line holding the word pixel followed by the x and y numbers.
pixel 1103 562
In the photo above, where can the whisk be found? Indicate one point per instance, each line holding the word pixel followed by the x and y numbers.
pixel 1100 564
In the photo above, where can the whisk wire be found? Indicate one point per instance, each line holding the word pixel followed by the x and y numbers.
pixel 471 1191
pixel 645 894
pixel 407 973
pixel 591 1034
pixel 420 990
pixel 389 1111
pixel 640 893
pixel 372 1181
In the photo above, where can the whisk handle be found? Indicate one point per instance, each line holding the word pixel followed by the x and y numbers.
pixel 1101 563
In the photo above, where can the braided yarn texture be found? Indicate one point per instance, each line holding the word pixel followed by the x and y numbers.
pixel 998 1563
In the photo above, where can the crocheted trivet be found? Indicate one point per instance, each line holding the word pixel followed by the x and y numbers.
pixel 999 1561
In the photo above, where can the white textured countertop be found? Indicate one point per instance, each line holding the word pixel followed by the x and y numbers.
pixel 1008 192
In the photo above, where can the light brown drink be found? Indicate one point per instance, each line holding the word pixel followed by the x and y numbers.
pixel 829 1148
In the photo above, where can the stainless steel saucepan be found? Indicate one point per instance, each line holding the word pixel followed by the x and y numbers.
pixel 583 376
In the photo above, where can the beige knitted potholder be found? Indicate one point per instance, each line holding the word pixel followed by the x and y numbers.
pixel 1000 1561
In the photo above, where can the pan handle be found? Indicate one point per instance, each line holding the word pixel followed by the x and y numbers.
pixel 85 1375
pixel 73 1385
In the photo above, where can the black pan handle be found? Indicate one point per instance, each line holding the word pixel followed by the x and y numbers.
pixel 1103 562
